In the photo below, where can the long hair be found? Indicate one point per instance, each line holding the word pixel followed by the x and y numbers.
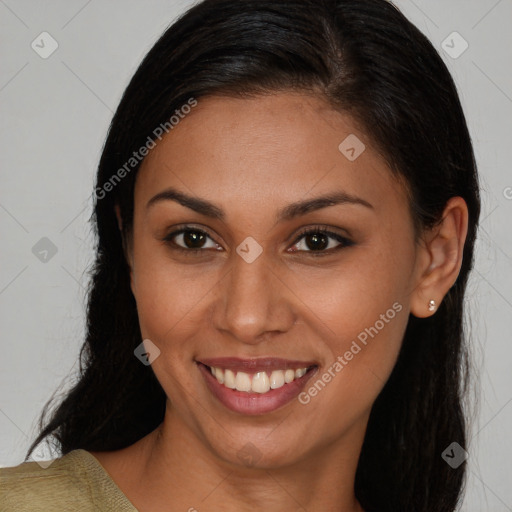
pixel 366 59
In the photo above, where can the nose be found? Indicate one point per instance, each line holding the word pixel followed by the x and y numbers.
pixel 254 302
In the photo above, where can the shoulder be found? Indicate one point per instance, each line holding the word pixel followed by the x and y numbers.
pixel 75 481
pixel 43 486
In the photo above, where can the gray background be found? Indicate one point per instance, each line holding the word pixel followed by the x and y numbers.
pixel 55 113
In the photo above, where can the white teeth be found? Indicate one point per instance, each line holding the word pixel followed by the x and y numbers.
pixel 289 376
pixel 300 373
pixel 229 379
pixel 259 382
pixel 220 375
pixel 242 381
pixel 276 379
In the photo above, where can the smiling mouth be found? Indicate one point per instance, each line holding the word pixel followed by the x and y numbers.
pixel 257 382
pixel 255 386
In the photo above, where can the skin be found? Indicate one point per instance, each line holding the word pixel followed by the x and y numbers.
pixel 253 157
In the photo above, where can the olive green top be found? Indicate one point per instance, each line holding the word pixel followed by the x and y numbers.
pixel 74 482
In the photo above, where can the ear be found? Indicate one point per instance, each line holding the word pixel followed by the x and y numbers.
pixel 440 258
pixel 126 246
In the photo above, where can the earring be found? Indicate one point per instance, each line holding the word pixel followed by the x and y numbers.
pixel 432 305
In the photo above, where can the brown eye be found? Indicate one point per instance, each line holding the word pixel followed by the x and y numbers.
pixel 194 239
pixel 190 240
pixel 316 241
pixel 319 241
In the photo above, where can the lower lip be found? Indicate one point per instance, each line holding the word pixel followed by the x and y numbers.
pixel 254 403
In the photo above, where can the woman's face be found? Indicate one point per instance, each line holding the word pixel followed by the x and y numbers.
pixel 245 291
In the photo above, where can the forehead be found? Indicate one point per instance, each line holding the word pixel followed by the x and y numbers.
pixel 269 149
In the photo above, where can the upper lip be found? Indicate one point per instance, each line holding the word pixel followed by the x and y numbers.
pixel 255 364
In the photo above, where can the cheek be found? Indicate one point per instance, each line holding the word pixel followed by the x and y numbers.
pixel 170 297
pixel 361 358
pixel 360 319
pixel 351 296
pixel 360 313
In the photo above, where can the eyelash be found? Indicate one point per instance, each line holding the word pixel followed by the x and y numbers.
pixel 316 230
pixel 323 230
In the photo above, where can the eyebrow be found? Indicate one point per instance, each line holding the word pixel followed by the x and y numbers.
pixel 208 209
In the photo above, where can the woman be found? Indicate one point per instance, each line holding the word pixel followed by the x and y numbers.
pixel 286 209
